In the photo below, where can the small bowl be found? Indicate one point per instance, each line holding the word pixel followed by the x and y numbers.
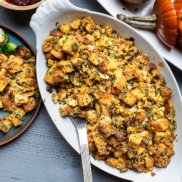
pixel 19 8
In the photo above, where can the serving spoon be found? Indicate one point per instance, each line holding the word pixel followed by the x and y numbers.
pixel 81 126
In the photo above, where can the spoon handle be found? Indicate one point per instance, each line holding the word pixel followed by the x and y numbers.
pixel 84 151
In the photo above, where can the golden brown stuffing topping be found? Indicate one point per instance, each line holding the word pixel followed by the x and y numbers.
pixel 106 79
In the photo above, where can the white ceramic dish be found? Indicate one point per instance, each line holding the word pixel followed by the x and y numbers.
pixel 174 56
pixel 42 22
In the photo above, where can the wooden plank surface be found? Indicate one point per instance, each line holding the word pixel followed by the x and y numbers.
pixel 41 154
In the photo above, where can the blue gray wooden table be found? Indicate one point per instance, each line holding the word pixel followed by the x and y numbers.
pixel 41 154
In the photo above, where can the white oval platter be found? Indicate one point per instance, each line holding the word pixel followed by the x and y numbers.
pixel 43 21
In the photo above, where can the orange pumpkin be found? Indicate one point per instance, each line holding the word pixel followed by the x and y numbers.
pixel 166 28
pixel 164 21
pixel 178 8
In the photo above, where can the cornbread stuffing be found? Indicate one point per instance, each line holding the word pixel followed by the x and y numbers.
pixel 106 79
pixel 18 87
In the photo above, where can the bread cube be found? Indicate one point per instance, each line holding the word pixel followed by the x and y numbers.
pixel 31 105
pixel 54 75
pixel 5 124
pixel 14 64
pixel 65 110
pixel 119 83
pixel 100 143
pixel 20 99
pixel 29 70
pixel 4 81
pixel 149 163
pixel 113 64
pixel 128 98
pixel 161 124
pixel 18 113
pixel 71 45
pixel 140 115
pixel 105 126
pixel 135 139
pixel 77 62
pixel 140 150
pixel 3 59
pixel 129 73
pixel 15 121
pixel 48 44
pixel 104 41
pixel 88 39
pixel 84 100
pixel 71 102
pixel 62 95
pixel 162 161
pixel 65 28
pixel 50 62
pixel 119 163
pixel 93 58
pixel 166 92
pixel 131 129
pixel 138 92
pixel 66 66
pixel 76 24
pixel 6 101
pixel 117 121
pixel 59 54
pixel 91 116
pixel 88 24
pixel 162 137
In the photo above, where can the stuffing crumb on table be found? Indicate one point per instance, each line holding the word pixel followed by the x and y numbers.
pixel 106 79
